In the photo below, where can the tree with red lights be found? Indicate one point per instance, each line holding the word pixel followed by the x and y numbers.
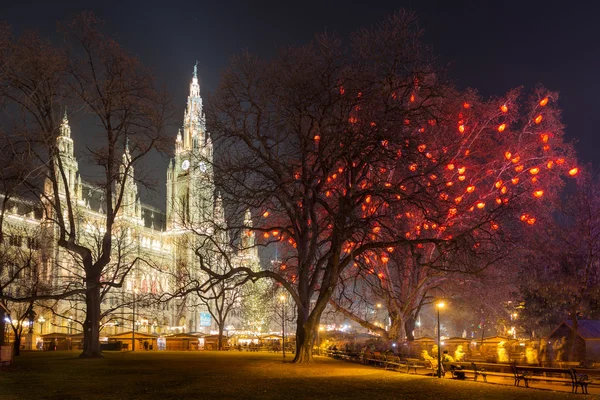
pixel 350 154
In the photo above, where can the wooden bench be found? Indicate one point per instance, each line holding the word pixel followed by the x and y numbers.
pixel 549 374
pixel 415 363
pixel 376 359
pixel 392 362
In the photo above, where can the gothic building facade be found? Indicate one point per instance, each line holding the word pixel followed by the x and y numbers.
pixel 163 243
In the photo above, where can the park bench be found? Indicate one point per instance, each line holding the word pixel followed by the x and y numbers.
pixel 375 358
pixel 415 363
pixel 528 374
pixel 392 362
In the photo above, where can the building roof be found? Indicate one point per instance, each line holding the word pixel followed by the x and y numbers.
pixel 587 329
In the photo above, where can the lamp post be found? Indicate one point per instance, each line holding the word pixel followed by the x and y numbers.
pixel 321 328
pixel 282 298
pixel 41 321
pixel 440 304
pixel 133 328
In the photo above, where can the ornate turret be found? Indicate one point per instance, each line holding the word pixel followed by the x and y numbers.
pixel 129 203
pixel 190 187
pixel 64 144
pixel 249 249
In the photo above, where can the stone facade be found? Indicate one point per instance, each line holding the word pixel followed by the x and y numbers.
pixel 163 243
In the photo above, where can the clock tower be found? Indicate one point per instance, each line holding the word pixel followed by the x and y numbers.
pixel 190 185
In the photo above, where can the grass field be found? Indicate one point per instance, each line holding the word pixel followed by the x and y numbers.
pixel 230 375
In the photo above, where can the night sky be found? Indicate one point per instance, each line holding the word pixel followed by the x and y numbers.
pixel 491 47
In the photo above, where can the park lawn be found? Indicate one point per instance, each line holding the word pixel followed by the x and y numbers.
pixel 230 375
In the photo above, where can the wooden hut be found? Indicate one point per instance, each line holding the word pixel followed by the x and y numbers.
pixel 183 342
pixel 143 341
pixel 415 347
pixel 587 340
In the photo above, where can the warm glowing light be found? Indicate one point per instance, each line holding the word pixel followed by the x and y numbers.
pixel 471 189
pixel 514 181
pixel 266 235
pixel 534 170
pixel 458 199
pixel 544 137
pixel 503 190
pixel 531 221
pixel 317 138
pixel 282 298
pixel 503 108
pixel 412 98
pixel 466 105
pixel 462 170
pixel 385 259
pixel 266 214
pixel 519 168
pixel 450 167
pixel 538 119
pixel 543 101
pixel 515 160
pixel 368 199
pixel 461 128
pixel 480 205
pixel 440 304
pixel 498 184
pixel 495 226
pixel 560 161
pixel 421 148
pixel 538 193
pixel 550 164
pixel 507 155
pixel 501 127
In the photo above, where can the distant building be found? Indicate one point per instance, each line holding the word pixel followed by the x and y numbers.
pixel 163 240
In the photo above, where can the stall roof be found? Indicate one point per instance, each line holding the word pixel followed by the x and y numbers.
pixel 587 329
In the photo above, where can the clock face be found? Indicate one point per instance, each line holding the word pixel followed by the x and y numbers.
pixel 203 166
pixel 185 165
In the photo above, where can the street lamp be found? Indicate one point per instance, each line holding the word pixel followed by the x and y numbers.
pixel 321 328
pixel 282 298
pixel 440 304
pixel 41 321
pixel 133 330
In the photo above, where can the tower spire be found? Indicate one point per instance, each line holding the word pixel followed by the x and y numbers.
pixel 65 129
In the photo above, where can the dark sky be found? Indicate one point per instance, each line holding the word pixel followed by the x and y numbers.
pixel 490 46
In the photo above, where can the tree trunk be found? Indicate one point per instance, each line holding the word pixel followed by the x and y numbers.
pixel 220 339
pixel 91 326
pixel 573 356
pixel 409 328
pixel 17 344
pixel 304 342
pixel 2 329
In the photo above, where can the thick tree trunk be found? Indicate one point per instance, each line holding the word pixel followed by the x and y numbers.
pixel 573 356
pixel 2 329
pixel 17 344
pixel 220 339
pixel 304 342
pixel 91 326
pixel 409 328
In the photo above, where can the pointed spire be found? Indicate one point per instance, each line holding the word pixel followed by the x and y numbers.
pixel 248 219
pixel 196 70
pixel 65 129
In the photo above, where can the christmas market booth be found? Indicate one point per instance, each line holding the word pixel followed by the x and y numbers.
pixel 143 341
pixel 587 341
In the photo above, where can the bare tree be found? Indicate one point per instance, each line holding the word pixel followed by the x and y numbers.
pixel 119 94
pixel 344 154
